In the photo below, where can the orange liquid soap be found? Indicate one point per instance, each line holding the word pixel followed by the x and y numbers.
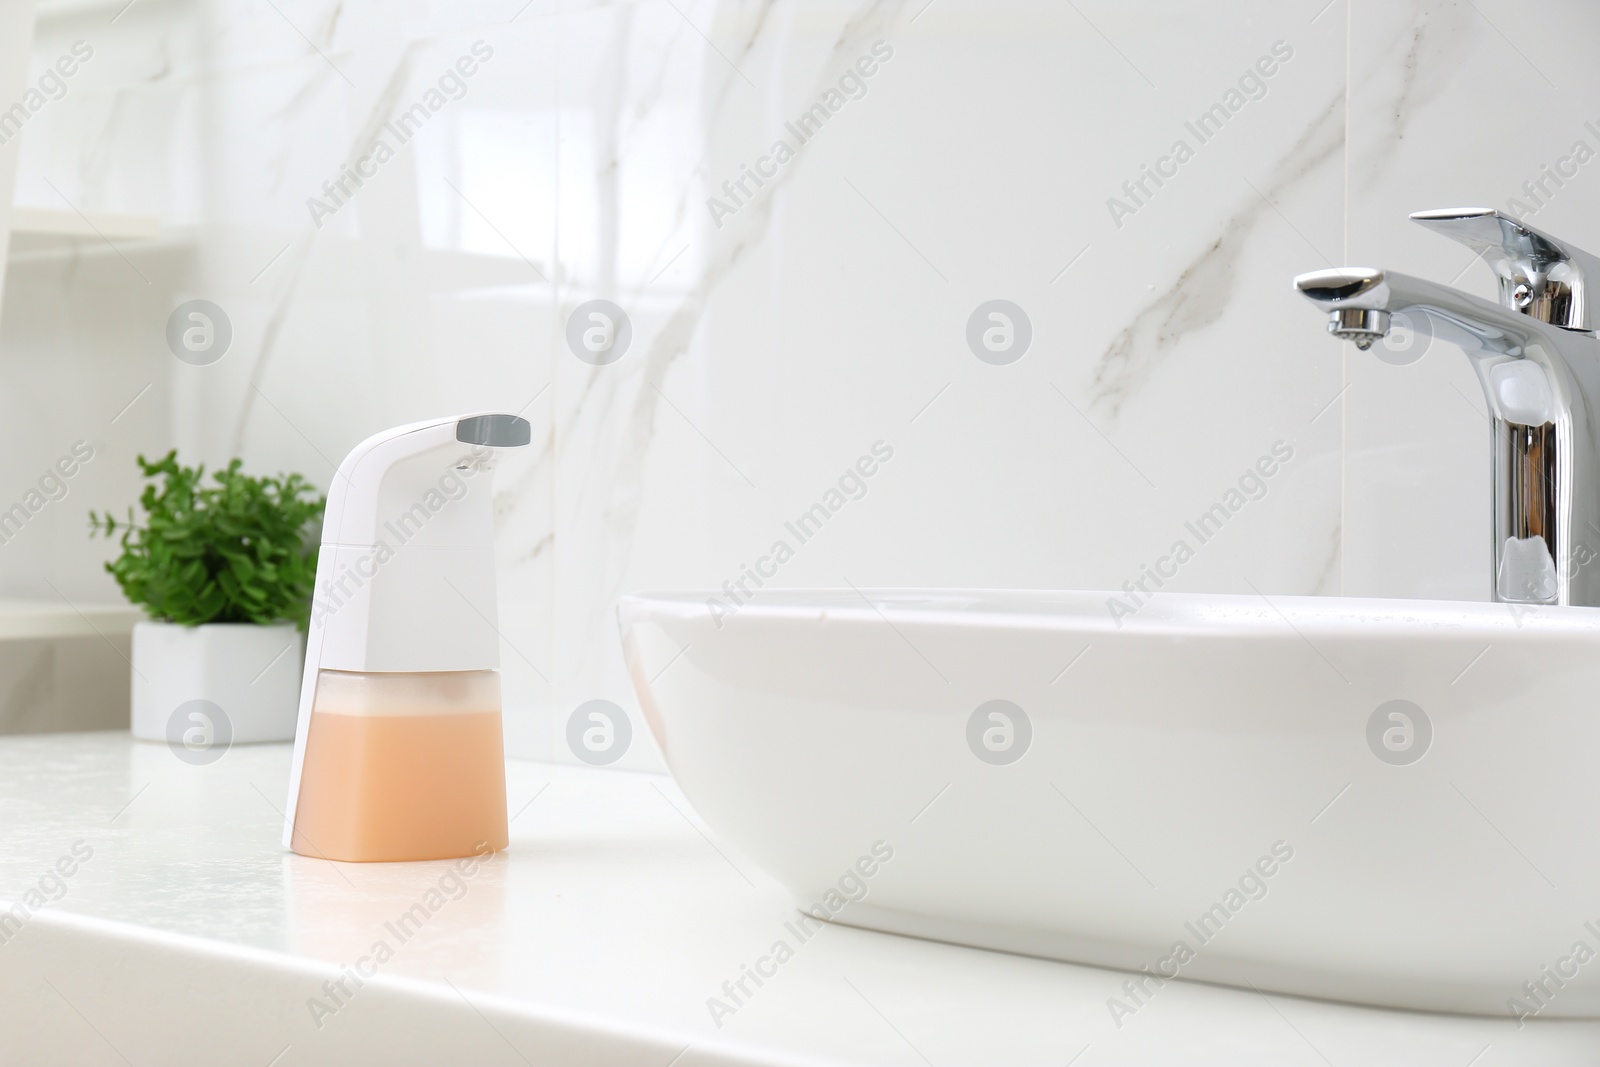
pixel 402 766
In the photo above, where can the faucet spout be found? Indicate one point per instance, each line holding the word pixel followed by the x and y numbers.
pixel 1360 302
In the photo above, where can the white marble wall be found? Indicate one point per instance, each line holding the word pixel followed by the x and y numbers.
pixel 829 312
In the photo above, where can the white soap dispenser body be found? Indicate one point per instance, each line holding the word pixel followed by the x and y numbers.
pixel 398 749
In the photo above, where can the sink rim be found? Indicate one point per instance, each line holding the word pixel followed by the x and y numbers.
pixel 1087 609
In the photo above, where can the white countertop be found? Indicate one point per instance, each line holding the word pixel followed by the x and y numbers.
pixel 190 936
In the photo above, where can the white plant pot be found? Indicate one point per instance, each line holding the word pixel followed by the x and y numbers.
pixel 248 677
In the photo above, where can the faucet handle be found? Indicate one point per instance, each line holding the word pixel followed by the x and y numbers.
pixel 1540 276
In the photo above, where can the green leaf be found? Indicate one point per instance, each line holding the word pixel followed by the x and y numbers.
pixel 236 548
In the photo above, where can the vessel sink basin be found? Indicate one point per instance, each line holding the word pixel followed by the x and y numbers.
pixel 1383 801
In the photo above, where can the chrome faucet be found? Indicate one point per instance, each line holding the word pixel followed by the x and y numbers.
pixel 1538 359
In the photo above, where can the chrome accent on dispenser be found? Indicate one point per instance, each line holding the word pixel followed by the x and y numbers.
pixel 1539 366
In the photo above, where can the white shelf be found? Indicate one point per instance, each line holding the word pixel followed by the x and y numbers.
pixel 22 619
pixel 52 9
pixel 42 229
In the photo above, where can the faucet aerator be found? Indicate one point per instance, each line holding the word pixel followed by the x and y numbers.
pixel 1361 325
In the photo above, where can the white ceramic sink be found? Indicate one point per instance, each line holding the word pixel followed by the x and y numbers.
pixel 1173 759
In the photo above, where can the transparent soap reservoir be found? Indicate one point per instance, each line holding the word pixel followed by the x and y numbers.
pixel 402 766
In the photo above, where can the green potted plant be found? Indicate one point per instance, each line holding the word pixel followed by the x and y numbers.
pixel 225 569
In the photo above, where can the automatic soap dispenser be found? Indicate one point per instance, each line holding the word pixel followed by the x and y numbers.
pixel 398 751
